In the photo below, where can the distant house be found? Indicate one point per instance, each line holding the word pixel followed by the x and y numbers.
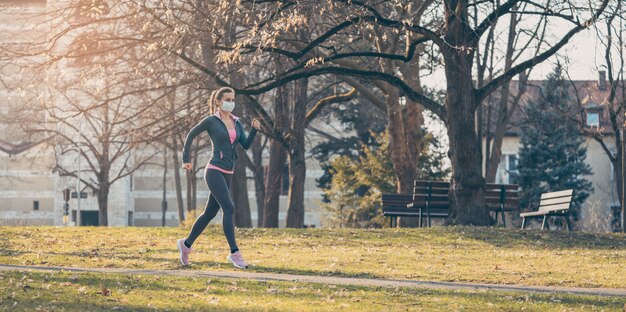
pixel 600 212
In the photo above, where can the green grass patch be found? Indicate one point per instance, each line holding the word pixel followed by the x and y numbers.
pixel 31 291
pixel 454 254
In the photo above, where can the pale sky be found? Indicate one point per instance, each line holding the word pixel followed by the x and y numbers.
pixel 583 56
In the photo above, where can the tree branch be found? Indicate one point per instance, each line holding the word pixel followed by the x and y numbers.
pixel 508 75
pixel 317 108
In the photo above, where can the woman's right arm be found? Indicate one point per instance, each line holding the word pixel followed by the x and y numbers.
pixel 197 129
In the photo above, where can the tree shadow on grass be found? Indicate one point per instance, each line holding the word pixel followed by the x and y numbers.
pixel 170 289
pixel 517 238
pixel 66 285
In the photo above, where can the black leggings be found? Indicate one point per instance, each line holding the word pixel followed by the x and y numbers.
pixel 219 184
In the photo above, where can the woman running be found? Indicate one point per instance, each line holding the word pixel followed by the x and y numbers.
pixel 225 130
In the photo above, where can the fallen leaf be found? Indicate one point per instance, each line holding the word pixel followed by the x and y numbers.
pixel 105 292
pixel 82 290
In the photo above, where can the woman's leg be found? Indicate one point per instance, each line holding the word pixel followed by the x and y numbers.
pixel 219 184
pixel 210 211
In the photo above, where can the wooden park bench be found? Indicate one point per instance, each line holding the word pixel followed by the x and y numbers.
pixel 553 204
pixel 430 200
pixel 394 206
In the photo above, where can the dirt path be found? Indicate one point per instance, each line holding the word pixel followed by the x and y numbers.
pixel 332 280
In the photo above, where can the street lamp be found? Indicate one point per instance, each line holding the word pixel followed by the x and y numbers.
pixel 80 142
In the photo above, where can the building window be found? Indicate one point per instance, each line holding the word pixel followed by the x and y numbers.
pixel 593 120
pixel 507 169
pixel 36 205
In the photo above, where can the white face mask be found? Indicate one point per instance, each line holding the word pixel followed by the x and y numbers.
pixel 228 106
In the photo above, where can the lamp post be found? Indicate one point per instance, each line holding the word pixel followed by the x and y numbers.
pixel 80 142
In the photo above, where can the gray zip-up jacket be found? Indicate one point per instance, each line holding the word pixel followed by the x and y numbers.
pixel 224 153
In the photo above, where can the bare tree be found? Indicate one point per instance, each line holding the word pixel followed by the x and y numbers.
pixel 450 33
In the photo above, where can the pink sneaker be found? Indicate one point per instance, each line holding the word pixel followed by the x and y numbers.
pixel 237 260
pixel 183 251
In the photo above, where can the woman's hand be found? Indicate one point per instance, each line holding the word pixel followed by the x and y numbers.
pixel 187 166
pixel 256 124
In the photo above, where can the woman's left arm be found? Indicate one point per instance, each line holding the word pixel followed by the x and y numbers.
pixel 246 141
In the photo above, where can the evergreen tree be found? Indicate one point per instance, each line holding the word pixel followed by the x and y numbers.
pixel 552 156
pixel 357 184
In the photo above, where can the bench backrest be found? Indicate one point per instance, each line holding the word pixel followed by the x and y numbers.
pixel 437 193
pixel 556 201
pixel 433 190
pixel 399 200
pixel 502 194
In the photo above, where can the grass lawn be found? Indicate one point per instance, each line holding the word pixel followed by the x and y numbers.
pixel 96 291
pixel 460 254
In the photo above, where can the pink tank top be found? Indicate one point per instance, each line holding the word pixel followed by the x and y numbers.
pixel 232 134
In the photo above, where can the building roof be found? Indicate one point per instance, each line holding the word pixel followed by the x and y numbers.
pixel 593 98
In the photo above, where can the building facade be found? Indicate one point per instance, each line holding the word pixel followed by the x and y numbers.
pixel 600 212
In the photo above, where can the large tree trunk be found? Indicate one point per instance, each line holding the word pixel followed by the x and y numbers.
pixel 240 193
pixel 274 178
pixel 297 166
pixel 103 197
pixel 297 178
pixel 273 184
pixel 400 143
pixel 467 187
pixel 407 131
